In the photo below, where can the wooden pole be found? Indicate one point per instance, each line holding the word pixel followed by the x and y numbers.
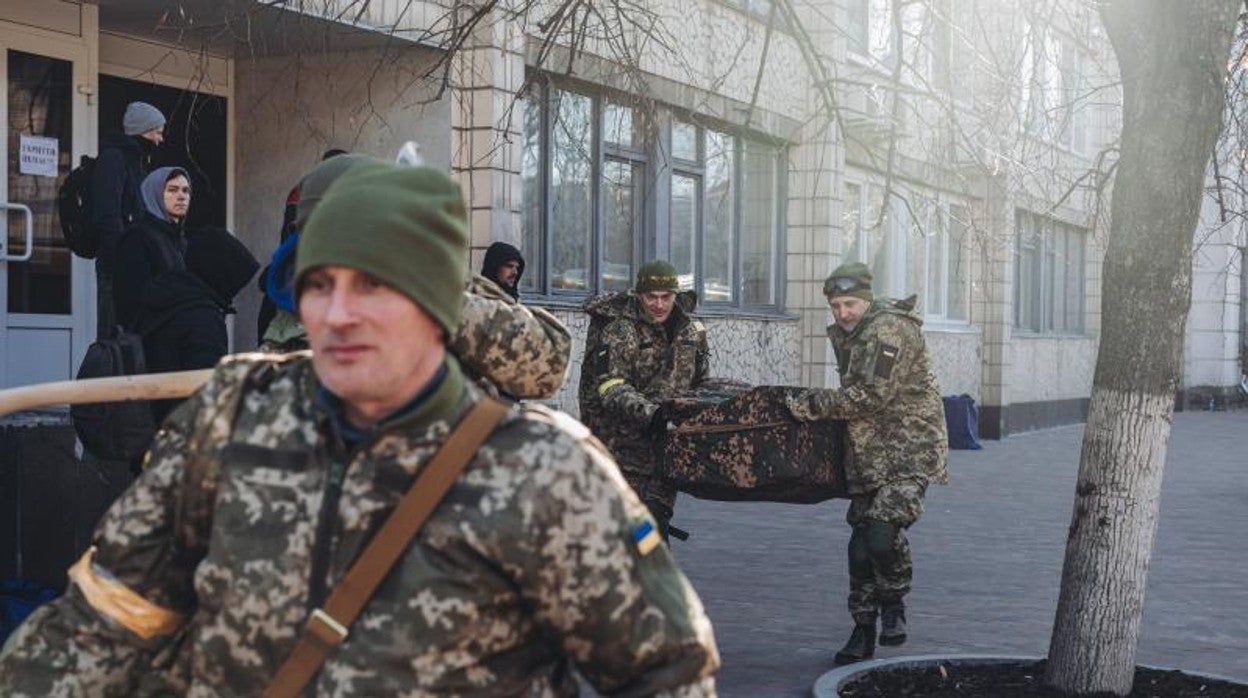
pixel 152 386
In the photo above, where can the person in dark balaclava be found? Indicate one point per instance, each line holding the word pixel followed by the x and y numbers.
pixel 504 265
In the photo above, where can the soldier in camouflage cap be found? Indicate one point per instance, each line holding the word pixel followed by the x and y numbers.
pixel 651 352
pixel 263 488
pixel 897 444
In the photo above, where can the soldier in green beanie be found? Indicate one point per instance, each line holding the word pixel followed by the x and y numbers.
pixel 265 487
pixel 896 422
pixel 650 352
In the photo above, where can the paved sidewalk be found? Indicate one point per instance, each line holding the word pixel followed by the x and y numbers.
pixel 988 555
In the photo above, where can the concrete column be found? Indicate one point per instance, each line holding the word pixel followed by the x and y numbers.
pixel 992 302
pixel 486 123
pixel 815 229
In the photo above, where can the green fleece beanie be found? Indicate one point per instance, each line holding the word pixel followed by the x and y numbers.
pixel 656 275
pixel 316 182
pixel 849 279
pixel 405 225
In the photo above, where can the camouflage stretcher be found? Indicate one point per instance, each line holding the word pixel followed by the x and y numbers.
pixel 745 446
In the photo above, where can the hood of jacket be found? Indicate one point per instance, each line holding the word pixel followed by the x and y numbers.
pixel 152 191
pixel 279 276
pixel 496 256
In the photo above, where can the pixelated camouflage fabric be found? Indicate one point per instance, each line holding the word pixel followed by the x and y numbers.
pixel 749 448
pixel 529 565
pixel 603 310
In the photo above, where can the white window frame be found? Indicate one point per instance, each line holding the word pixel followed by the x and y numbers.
pixel 893 282
pixel 652 228
pixel 1043 306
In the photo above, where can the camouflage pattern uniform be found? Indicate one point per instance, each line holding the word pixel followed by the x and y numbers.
pixel 527 566
pixel 897 442
pixel 522 351
pixel 641 364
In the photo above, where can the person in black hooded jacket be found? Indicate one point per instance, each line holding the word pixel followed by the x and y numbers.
pixel 182 321
pixel 504 266
pixel 154 244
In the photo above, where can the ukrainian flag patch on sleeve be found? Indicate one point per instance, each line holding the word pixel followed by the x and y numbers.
pixel 646 536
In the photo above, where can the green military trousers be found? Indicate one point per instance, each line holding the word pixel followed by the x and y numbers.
pixel 880 568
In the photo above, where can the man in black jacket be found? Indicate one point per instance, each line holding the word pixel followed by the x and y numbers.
pixel 504 266
pixel 115 199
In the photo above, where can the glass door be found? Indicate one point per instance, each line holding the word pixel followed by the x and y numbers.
pixel 44 289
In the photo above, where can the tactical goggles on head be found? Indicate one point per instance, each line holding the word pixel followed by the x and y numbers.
pixel 843 284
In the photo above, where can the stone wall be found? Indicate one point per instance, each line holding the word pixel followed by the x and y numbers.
pixel 956 360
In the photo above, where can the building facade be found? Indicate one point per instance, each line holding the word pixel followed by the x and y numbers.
pixel 953 147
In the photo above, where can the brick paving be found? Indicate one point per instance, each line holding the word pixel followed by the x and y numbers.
pixel 988 556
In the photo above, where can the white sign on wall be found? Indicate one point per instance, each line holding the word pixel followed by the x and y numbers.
pixel 37 155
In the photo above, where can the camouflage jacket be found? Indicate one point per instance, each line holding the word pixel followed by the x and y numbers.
pixel 527 566
pixel 639 365
pixel 888 396
pixel 511 349
pixel 521 350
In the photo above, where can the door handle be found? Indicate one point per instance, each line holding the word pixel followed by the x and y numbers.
pixel 29 251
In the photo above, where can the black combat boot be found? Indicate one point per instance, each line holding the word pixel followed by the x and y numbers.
pixel 893 623
pixel 861 644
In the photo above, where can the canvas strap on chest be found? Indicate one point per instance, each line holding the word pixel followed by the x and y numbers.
pixel 328 626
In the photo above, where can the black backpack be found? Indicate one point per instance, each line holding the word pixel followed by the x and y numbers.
pixel 73 204
pixel 114 430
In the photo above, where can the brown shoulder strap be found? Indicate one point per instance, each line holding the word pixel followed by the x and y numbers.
pixel 327 627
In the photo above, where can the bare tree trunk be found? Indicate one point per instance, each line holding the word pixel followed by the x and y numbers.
pixel 1172 57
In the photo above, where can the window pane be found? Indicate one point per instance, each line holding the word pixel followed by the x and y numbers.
pixel 856 28
pixel 684 226
pixel 760 223
pixel 959 259
pixel 851 223
pixel 936 266
pixel 884 37
pixel 40 106
pixel 1058 277
pixel 618 126
pixel 571 190
pixel 531 178
pixel 917 228
pixel 621 186
pixel 684 141
pixel 1074 281
pixel 877 224
pixel 719 280
pixel 1026 287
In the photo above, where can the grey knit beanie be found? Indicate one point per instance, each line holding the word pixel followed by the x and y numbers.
pixel 140 118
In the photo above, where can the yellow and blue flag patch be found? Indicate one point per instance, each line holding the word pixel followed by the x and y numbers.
pixel 647 537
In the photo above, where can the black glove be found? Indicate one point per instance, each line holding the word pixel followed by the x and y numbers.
pixel 660 419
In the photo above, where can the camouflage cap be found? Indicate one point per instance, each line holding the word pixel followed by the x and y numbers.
pixel 849 279
pixel 656 275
